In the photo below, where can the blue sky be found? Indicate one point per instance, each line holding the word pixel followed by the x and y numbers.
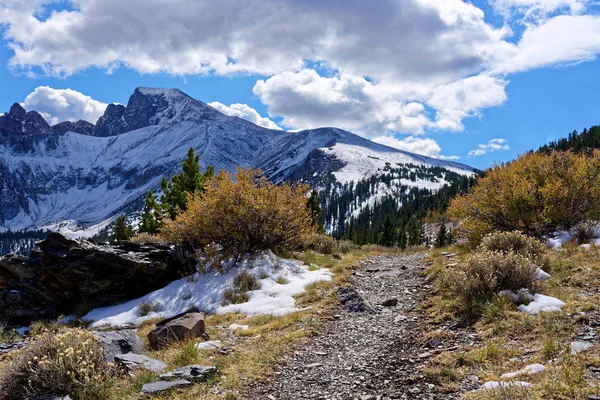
pixel 477 82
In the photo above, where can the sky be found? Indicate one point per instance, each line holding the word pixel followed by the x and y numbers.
pixel 478 82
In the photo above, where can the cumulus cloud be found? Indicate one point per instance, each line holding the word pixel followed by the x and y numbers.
pixel 489 147
pixel 58 105
pixel 424 146
pixel 392 66
pixel 246 112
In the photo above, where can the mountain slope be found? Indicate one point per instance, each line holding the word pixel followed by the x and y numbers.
pixel 49 175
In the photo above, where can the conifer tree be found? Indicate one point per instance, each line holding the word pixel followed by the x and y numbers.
pixel 151 219
pixel 402 242
pixel 190 181
pixel 121 230
pixel 387 235
pixel 442 236
pixel 314 205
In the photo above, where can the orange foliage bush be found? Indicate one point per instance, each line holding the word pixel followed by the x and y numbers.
pixel 535 194
pixel 248 214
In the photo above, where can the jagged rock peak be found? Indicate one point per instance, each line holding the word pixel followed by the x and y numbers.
pixel 81 126
pixel 151 106
pixel 17 112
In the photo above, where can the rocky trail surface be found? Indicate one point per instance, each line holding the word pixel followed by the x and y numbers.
pixel 376 354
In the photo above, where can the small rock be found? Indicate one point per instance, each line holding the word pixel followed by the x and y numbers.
pixel 414 390
pixel 390 303
pixel 235 327
pixel 210 345
pixel 593 397
pixel 135 362
pixel 433 343
pixel 194 373
pixel 578 347
pixel 313 365
pixel 400 318
pixel 425 355
pixel 162 386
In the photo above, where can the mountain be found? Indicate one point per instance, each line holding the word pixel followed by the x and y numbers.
pixel 76 174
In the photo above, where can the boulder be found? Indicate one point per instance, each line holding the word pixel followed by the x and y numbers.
pixel 124 341
pixel 193 373
pixel 68 272
pixel 181 327
pixel 163 386
pixel 135 362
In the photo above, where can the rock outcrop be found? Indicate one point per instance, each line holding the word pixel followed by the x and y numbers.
pixel 68 272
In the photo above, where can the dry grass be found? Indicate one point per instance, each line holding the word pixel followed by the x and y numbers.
pixel 511 339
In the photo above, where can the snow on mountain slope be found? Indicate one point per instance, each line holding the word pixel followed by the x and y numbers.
pixel 87 179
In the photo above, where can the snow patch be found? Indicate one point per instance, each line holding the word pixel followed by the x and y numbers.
pixel 531 369
pixel 503 385
pixel 205 292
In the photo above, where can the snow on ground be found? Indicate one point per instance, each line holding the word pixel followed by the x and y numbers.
pixel 536 303
pixel 531 369
pixel 558 239
pixel 362 162
pixel 205 292
pixel 541 303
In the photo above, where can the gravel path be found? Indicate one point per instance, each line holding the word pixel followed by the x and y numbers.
pixel 367 356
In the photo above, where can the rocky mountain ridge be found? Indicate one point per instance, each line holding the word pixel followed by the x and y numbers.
pixel 87 174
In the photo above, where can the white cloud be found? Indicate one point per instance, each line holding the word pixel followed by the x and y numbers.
pixel 393 66
pixel 424 146
pixel 489 147
pixel 58 105
pixel 246 112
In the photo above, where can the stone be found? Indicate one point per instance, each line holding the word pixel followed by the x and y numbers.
pixel 162 386
pixel 210 345
pixel 352 301
pixel 181 327
pixel 390 303
pixel 433 343
pixel 193 373
pixel 122 341
pixel 578 347
pixel 313 365
pixel 135 362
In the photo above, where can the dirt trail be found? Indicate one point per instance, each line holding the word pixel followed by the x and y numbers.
pixel 368 356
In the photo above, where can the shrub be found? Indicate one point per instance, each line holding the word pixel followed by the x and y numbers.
pixel 584 232
pixel 146 238
pixel 484 274
pixel 248 214
pixel 534 194
pixel 516 242
pixel 323 244
pixel 242 283
pixel 148 307
pixel 69 362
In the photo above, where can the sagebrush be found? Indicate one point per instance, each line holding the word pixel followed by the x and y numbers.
pixel 516 242
pixel 70 362
pixel 482 275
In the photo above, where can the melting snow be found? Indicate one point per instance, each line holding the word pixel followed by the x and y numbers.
pixel 532 369
pixel 502 385
pixel 205 292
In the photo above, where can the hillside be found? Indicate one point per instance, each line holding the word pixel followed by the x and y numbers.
pixel 75 176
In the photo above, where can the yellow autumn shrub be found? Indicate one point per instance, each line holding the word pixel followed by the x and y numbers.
pixel 247 214
pixel 535 194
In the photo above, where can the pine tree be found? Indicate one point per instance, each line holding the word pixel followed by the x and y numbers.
pixel 387 235
pixel 403 240
pixel 121 230
pixel 151 219
pixel 189 182
pixel 442 236
pixel 314 205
